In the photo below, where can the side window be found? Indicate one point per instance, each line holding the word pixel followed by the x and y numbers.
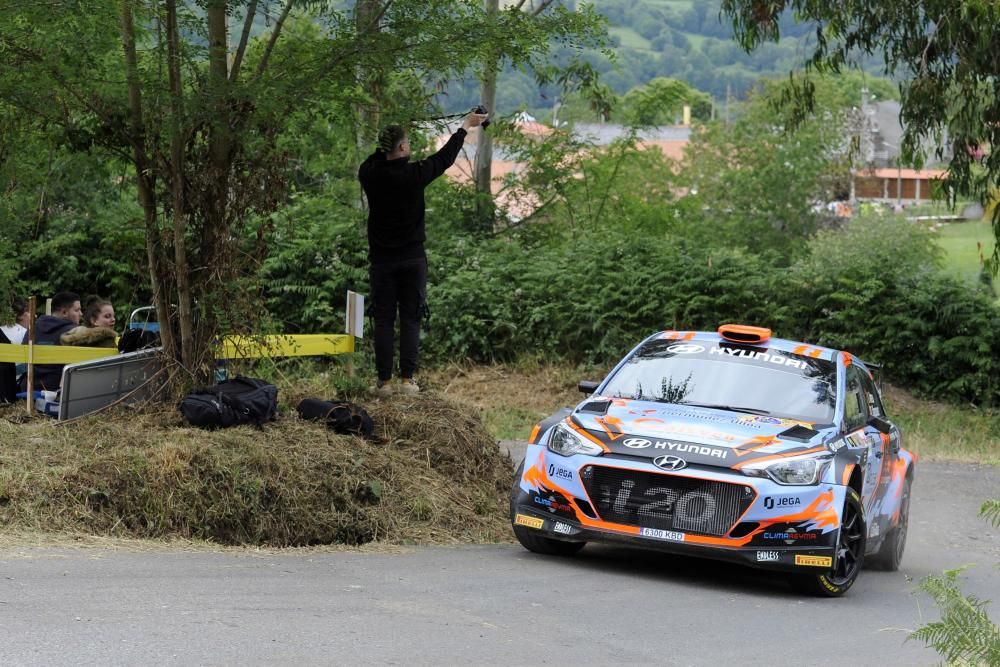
pixel 855 403
pixel 872 398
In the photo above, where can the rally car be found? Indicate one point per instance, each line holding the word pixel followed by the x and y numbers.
pixel 730 445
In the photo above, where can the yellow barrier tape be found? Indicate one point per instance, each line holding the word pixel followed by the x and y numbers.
pixel 53 354
pixel 304 345
pixel 233 347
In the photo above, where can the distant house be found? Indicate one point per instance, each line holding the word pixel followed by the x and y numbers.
pixel 897 185
pixel 881 134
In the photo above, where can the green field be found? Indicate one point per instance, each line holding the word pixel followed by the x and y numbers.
pixel 630 38
pixel 963 242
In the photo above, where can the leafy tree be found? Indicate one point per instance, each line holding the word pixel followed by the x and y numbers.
pixel 660 101
pixel 945 52
pixel 751 183
pixel 198 106
pixel 544 18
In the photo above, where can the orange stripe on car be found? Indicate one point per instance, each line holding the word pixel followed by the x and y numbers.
pixel 848 469
pixel 753 444
pixel 533 438
pixel 613 425
pixel 677 335
pixel 536 477
pixel 585 433
pixel 807 351
pixel 775 457
pixel 846 357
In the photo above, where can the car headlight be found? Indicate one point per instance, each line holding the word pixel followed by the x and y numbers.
pixel 565 442
pixel 803 471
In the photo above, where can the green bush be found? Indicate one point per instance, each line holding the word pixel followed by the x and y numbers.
pixel 590 298
pixel 875 288
pixel 589 295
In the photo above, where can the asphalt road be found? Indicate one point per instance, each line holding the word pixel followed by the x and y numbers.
pixel 486 604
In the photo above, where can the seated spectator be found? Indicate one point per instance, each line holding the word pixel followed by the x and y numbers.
pixel 66 314
pixel 12 334
pixel 98 326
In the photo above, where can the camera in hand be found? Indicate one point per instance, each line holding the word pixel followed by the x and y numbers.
pixel 481 109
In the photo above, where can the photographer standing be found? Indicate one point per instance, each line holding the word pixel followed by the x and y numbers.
pixel 394 187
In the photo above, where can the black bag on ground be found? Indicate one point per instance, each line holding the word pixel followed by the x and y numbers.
pixel 241 400
pixel 339 416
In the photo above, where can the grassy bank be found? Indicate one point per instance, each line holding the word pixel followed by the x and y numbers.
pixel 434 476
pixel 513 397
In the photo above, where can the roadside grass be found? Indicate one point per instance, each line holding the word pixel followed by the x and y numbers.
pixel 941 431
pixel 513 397
pixel 435 475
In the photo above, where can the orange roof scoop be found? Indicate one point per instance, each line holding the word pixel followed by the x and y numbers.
pixel 741 333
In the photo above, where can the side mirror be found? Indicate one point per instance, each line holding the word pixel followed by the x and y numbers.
pixel 880 425
pixel 588 386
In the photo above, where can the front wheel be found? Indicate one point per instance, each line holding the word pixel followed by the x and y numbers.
pixel 890 554
pixel 850 555
pixel 528 537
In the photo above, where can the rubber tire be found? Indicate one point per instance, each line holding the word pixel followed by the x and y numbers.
pixel 850 547
pixel 528 537
pixel 890 554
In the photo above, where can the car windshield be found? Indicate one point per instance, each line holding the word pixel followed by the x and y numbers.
pixel 728 376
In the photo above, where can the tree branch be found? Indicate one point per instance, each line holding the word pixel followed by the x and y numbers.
pixel 244 39
pixel 542 6
pixel 262 65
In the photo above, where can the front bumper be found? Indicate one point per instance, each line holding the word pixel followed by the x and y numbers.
pixel 754 521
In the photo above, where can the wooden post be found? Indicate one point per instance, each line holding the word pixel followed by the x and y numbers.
pixel 32 308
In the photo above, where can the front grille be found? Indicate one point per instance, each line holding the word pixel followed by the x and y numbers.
pixel 667 502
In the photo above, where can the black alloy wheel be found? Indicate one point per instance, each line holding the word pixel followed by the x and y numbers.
pixel 890 554
pixel 850 546
pixel 849 557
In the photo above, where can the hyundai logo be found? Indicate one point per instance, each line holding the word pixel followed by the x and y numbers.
pixel 669 462
pixel 636 443
pixel 685 348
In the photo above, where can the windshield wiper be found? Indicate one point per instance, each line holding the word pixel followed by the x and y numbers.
pixel 731 408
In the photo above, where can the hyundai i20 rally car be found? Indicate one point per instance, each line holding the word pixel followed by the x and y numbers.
pixel 730 445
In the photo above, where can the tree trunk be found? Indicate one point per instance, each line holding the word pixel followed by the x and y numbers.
pixel 214 207
pixel 145 179
pixel 485 206
pixel 184 314
pixel 366 20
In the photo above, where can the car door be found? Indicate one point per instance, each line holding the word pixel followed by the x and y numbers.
pixel 862 436
pixel 890 442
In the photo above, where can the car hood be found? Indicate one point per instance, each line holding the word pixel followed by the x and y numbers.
pixel 704 436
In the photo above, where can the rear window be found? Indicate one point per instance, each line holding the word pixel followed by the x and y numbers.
pixel 752 379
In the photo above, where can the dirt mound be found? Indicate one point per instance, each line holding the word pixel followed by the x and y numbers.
pixel 437 476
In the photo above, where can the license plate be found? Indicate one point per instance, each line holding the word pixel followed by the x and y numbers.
pixel 672 535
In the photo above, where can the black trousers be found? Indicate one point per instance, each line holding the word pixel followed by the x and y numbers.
pixel 398 286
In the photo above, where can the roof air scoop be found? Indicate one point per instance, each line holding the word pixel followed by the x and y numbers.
pixel 741 333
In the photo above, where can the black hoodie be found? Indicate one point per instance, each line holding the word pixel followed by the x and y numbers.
pixel 395 191
pixel 48 329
